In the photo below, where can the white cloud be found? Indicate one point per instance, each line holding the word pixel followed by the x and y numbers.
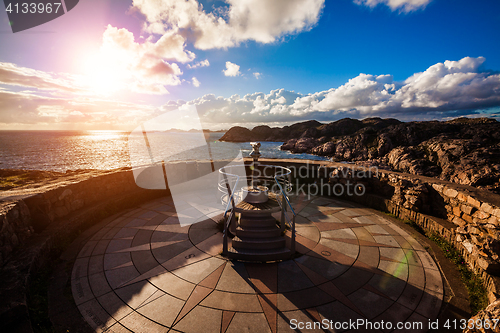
pixel 257 75
pixel 196 83
pixel 143 66
pixel 231 69
pixel 263 21
pixel 448 89
pixel 444 90
pixel 12 74
pixel 401 5
pixel 203 63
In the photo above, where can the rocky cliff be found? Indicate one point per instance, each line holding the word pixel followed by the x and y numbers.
pixel 462 150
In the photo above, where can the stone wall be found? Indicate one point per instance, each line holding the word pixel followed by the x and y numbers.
pixel 465 216
pixel 36 223
pixel 16 227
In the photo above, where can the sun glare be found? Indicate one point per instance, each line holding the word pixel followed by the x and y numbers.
pixel 104 74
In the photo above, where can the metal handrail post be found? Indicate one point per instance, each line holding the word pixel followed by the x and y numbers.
pixel 283 212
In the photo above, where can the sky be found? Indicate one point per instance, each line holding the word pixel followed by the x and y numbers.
pixel 114 64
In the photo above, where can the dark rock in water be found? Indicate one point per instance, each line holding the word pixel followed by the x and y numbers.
pixel 462 150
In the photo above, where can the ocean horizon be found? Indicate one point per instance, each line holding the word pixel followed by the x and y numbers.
pixel 63 151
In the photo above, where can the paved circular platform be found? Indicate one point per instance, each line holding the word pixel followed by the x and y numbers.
pixel 143 272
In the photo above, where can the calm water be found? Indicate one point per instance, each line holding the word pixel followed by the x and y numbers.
pixel 104 150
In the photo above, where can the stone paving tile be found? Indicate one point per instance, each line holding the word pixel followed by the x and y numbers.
pixel 430 304
pixel 99 234
pixel 212 245
pixel 196 273
pixel 119 276
pixel 162 310
pixel 309 232
pixel 403 243
pixel 187 257
pixel 111 233
pixel 411 296
pixel 269 303
pixel 173 285
pixel 81 291
pixel 144 261
pixel 427 260
pixel 288 322
pixel 117 260
pixel 232 302
pixel 125 233
pixel 396 269
pixel 235 279
pixel 227 317
pixel 303 299
pixel 165 253
pixel 376 229
pixel 264 278
pixel 387 286
pixel 415 244
pixel 352 280
pixel 341 233
pixel 136 294
pixel 369 256
pixel 114 305
pixel 350 250
pixel 199 235
pixel 369 303
pixel 291 277
pixel 433 280
pixel 116 245
pixel 395 254
pixel 140 324
pixel 96 316
pixel 100 248
pixel 201 319
pixel 99 284
pixel 80 268
pixel 117 328
pixel 248 322
pixel 337 312
pixel 87 249
pixel 412 257
pixel 333 218
pixel 96 264
pixel 142 237
pixel 387 240
pixel 363 234
pixel 328 269
pixel 394 314
pixel 416 276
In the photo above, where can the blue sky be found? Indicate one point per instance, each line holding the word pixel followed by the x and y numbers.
pixel 111 64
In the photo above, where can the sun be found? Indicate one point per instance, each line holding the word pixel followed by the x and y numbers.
pixel 104 73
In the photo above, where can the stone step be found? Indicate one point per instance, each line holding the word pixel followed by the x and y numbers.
pixel 259 255
pixel 258 221
pixel 259 243
pixel 257 232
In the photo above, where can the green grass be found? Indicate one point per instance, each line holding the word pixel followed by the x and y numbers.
pixel 477 293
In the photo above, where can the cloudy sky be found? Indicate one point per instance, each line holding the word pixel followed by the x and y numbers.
pixel 112 64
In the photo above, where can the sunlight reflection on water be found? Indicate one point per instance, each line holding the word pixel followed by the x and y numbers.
pixel 105 150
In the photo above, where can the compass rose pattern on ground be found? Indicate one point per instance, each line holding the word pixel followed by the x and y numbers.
pixel 143 272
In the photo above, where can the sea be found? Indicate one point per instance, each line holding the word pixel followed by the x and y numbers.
pixel 105 150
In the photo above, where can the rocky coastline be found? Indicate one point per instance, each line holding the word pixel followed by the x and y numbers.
pixel 464 150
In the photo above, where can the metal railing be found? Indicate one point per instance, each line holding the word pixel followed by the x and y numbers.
pixel 232 195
